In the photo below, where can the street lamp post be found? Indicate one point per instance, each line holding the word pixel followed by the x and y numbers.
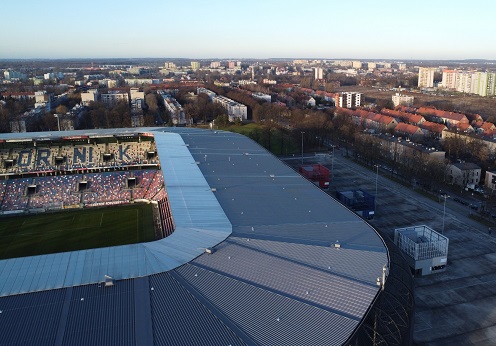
pixel 444 210
pixel 376 180
pixel 58 120
pixel 332 164
pixel 302 133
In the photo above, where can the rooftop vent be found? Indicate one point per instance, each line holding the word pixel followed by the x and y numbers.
pixel 108 281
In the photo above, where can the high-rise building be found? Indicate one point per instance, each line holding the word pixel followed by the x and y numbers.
pixel 371 65
pixel 480 83
pixel 348 99
pixel 318 73
pixel 491 84
pixel 195 65
pixel 9 75
pixel 357 64
pixel 450 79
pixel 426 77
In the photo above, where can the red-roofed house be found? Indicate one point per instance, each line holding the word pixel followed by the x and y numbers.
pixel 433 129
pixel 426 111
pixel 408 130
pixel 489 133
pixel 368 119
pixel 484 127
pixel 325 95
pixel 467 128
pixel 380 122
pixel 448 118
pixel 414 119
pixel 307 91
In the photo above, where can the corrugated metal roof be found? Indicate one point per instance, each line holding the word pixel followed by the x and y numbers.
pixel 267 317
pixel 319 287
pixel 180 319
pixel 349 263
pixel 31 319
pixel 101 315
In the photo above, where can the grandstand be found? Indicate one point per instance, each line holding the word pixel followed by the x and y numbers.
pixel 33 158
pixel 258 255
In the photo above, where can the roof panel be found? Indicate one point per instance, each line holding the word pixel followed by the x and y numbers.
pixel 268 318
pixel 100 315
pixel 298 280
pixel 31 319
pixel 179 319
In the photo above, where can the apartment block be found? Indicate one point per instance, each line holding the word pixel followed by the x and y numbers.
pixel 473 82
pixel 426 77
pixel 404 100
pixel 348 99
pixel 114 97
pixel 235 110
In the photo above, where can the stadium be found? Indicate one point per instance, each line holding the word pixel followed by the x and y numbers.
pixel 221 244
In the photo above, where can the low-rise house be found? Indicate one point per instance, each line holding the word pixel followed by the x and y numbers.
pixel 414 119
pixel 463 174
pixel 484 127
pixel 408 130
pixel 450 119
pixel 464 127
pixel 433 129
pixel 490 180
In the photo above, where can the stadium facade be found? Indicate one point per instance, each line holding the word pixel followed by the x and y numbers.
pixel 258 256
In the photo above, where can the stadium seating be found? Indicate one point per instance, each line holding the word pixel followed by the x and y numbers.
pixel 33 159
pixel 63 190
pixel 57 190
pixel 54 187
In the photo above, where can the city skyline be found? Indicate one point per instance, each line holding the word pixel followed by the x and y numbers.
pixel 254 29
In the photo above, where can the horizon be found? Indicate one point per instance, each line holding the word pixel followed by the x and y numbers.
pixel 245 59
pixel 255 29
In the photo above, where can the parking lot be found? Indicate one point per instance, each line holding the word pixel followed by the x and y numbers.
pixel 457 307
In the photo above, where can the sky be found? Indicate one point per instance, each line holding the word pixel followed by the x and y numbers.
pixel 204 29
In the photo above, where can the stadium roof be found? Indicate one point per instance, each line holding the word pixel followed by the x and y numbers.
pixel 199 219
pixel 277 279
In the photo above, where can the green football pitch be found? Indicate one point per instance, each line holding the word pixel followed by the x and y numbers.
pixel 30 235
